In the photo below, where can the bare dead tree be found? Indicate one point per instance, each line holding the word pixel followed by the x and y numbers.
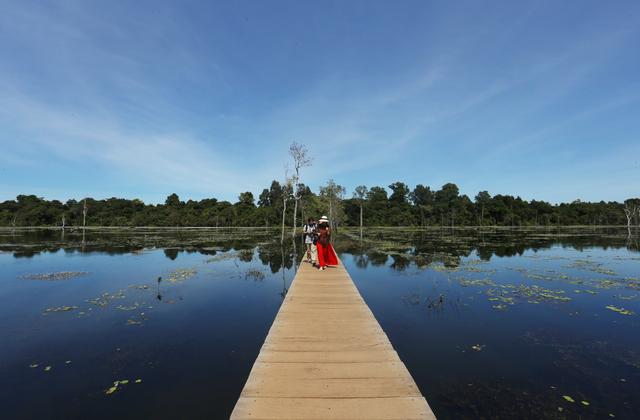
pixel 286 191
pixel 629 212
pixel 359 194
pixel 631 207
pixel 84 214
pixel 300 155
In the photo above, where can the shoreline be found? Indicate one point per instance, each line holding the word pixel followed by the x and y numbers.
pixel 417 228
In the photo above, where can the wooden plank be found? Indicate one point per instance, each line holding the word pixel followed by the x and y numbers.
pixel 278 387
pixel 325 328
pixel 364 336
pixel 326 357
pixel 324 370
pixel 328 346
pixel 330 409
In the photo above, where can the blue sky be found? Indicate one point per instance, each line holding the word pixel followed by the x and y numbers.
pixel 142 99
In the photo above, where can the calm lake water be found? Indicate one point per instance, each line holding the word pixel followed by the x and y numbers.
pixel 167 324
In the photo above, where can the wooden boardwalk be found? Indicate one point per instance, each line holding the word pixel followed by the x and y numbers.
pixel 326 357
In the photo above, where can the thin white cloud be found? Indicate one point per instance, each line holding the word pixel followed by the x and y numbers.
pixel 171 160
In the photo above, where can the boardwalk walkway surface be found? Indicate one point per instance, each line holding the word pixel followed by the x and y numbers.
pixel 326 357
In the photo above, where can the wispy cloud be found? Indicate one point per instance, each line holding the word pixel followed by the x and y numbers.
pixel 173 160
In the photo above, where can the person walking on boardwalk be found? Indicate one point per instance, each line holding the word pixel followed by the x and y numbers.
pixel 310 239
pixel 326 254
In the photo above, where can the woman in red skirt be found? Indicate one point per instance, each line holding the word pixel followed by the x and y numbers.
pixel 326 254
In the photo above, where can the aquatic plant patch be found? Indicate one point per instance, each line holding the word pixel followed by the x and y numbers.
pixel 590 265
pixel 221 257
pixel 621 311
pixel 536 293
pixel 60 309
pixel 181 274
pixel 105 298
pixel 62 275
pixel 510 294
pixel 254 274
pixel 464 282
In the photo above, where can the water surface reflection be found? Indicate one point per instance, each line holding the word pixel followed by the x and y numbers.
pixel 491 323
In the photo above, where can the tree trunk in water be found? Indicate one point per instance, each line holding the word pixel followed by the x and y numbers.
pixel 84 215
pixel 284 213
pixel 284 280
pixel 295 214
pixel 360 222
pixel 295 256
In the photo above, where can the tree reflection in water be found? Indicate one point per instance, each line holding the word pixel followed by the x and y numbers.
pixel 421 247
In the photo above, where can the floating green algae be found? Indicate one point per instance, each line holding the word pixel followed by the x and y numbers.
pixel 621 311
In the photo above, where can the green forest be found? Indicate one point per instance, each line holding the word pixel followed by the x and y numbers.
pixel 396 205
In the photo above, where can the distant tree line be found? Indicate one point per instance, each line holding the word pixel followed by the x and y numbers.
pixel 397 205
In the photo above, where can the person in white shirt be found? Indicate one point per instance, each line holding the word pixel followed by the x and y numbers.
pixel 310 238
